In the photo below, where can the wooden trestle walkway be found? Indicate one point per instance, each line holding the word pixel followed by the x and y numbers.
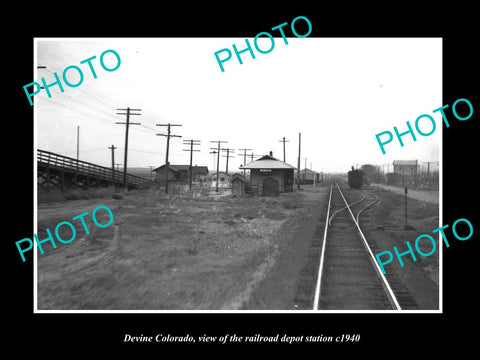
pixel 56 171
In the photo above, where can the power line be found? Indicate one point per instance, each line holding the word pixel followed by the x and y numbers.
pixel 143 151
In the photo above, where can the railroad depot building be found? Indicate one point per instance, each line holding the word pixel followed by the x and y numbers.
pixel 179 173
pixel 270 176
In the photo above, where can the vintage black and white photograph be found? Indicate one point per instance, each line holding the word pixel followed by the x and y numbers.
pixel 269 174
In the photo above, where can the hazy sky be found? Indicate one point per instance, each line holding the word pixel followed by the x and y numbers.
pixel 338 92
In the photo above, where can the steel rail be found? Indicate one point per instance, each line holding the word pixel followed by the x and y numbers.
pixel 366 207
pixel 322 254
pixel 340 210
pixel 386 285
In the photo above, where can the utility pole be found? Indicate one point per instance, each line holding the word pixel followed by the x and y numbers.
pixel 168 136
pixel 151 172
pixel 252 155
pixel 113 164
pixel 218 157
pixel 298 160
pixel 227 156
pixel 244 160
pixel 428 171
pixel 190 169
pixel 127 123
pixel 305 172
pixel 284 141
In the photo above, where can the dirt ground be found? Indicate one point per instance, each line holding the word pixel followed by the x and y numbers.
pixel 385 228
pixel 163 252
pixel 184 252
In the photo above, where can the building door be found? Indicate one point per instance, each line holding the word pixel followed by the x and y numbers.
pixel 270 187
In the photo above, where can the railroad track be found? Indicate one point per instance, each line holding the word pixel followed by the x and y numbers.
pixel 348 277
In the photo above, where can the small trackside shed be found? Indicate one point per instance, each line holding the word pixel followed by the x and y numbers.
pixel 270 176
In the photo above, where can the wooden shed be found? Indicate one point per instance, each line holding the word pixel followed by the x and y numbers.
pixel 238 186
pixel 270 176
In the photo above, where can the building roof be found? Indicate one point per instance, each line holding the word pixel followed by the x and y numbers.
pixel 268 162
pixel 308 171
pixel 405 162
pixel 177 168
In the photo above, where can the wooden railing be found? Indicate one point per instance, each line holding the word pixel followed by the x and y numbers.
pixel 65 163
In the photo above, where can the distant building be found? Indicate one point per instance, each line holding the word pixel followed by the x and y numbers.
pixel 404 173
pixel 405 167
pixel 270 176
pixel 180 173
pixel 371 173
pixel 307 176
